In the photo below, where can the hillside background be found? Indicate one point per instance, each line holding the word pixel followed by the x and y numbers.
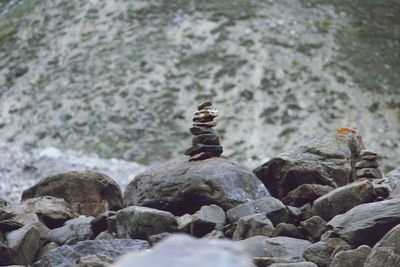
pixel 122 78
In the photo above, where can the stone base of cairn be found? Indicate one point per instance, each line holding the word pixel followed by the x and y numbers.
pixel 206 142
pixel 368 166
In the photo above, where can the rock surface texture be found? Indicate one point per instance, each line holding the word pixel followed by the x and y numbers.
pixel 184 187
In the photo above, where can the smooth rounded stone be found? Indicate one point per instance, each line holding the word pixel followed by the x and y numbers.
pixel 367 223
pixel 344 198
pixel 214 150
pixel 387 251
pixel 184 187
pixel 72 231
pixel 352 258
pixel 183 251
pixel 66 256
pixel 367 164
pixel 305 193
pixel 204 104
pixel 204 221
pixel 324 160
pixel 289 230
pixel 366 152
pixel 369 173
pixel 196 130
pixel 88 193
pixel 320 252
pixel 26 244
pixel 206 139
pixel 142 222
pixel 314 228
pixel 253 225
pixel 294 264
pixel 270 206
pixel 51 211
pixel 208 124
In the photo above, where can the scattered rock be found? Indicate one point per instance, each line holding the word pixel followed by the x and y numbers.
pixel 367 223
pixel 289 230
pixel 270 206
pixel 142 222
pixel 99 224
pixel 184 187
pixel 325 160
pixel 66 256
pixel 74 230
pixel 320 252
pixel 344 198
pixel 46 249
pixel 352 258
pixel 181 250
pixel 387 251
pixel 26 244
pixel 253 225
pixel 305 193
pixel 204 221
pixel 88 193
pixel 314 228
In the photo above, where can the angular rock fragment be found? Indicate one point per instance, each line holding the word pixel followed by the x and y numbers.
pixel 352 258
pixel 253 225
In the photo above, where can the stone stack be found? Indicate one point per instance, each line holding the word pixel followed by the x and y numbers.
pixel 206 142
pixel 368 166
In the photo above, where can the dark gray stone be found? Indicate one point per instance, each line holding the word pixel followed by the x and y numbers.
pixel 314 228
pixel 305 193
pixel 387 251
pixel 367 223
pixel 320 253
pixel 184 187
pixel 253 225
pixel 289 230
pixel 74 230
pixel 270 206
pixel 344 198
pixel 143 222
pixel 25 242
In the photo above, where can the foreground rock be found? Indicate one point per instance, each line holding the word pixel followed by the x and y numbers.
pixel 343 199
pixel 326 161
pixel 387 251
pixel 184 187
pixel 366 224
pixel 66 256
pixel 25 244
pixel 142 222
pixel 182 251
pixel 352 258
pixel 321 252
pixel 88 193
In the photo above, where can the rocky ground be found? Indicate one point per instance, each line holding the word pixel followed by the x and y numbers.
pixel 321 204
pixel 120 78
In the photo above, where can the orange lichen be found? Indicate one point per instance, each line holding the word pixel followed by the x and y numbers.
pixel 346 131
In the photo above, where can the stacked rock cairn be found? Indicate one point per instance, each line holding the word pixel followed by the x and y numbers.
pixel 206 142
pixel 368 166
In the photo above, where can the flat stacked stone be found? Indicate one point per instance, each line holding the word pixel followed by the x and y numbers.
pixel 368 166
pixel 206 142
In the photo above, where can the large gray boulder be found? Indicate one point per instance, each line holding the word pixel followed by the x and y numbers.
pixel 66 256
pixel 324 160
pixel 352 257
pixel 367 223
pixel 88 193
pixel 344 198
pixel 184 187
pixel 143 222
pixel 183 251
pixel 387 251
